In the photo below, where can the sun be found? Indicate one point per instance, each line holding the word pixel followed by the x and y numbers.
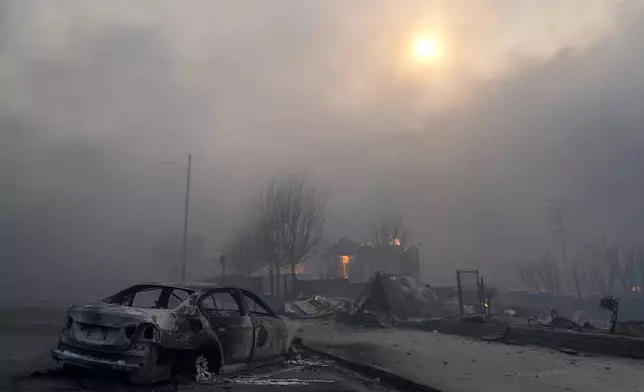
pixel 426 49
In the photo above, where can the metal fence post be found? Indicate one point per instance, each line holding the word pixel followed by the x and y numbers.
pixel 460 292
pixel 482 297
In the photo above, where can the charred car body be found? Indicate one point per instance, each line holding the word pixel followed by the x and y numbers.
pixel 151 330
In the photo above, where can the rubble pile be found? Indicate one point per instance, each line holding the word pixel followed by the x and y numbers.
pixel 300 308
pixel 317 307
pixel 393 299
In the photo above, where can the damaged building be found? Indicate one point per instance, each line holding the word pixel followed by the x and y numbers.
pixel 358 263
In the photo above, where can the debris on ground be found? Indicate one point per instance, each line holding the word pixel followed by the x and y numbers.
pixel 300 308
pixel 568 351
pixel 317 306
pixel 331 303
pixel 392 299
pixel 494 338
pixel 511 318
pixel 204 377
pixel 451 308
pixel 521 311
pixel 588 325
pixel 472 318
pixel 564 323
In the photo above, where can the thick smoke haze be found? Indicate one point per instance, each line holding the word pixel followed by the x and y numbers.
pixel 530 100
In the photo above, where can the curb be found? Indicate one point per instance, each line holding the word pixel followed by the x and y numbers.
pixel 387 376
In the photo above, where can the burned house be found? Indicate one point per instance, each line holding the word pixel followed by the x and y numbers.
pixel 339 258
pixel 359 262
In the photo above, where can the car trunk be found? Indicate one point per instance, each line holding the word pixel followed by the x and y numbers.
pixel 107 325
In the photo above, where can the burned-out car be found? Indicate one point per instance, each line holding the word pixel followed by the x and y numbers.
pixel 151 330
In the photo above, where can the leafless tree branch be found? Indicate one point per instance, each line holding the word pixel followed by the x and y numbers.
pixel 388 229
pixel 542 276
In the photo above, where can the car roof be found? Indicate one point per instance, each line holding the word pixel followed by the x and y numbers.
pixel 191 286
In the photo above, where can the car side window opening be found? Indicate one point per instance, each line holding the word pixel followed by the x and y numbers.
pixel 176 298
pixel 256 308
pixel 221 302
pixel 150 297
pixel 147 299
pixel 208 303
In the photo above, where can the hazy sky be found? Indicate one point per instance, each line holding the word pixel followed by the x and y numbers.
pixel 527 100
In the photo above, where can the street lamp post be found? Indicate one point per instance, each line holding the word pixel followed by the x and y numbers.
pixel 186 213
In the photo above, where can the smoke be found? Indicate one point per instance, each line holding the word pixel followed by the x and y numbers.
pixel 531 101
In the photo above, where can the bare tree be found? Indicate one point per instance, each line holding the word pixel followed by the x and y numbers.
pixel 300 216
pixel 267 232
pixel 612 304
pixel 388 229
pixel 243 251
pixel 549 273
pixel 638 255
pixel 557 220
pixel 600 279
pixel 288 222
pixel 579 276
pixel 626 273
pixel 604 269
pixel 611 258
pixel 542 276
pixel 600 270
pixel 528 275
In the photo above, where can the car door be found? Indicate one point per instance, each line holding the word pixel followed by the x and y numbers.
pixel 232 325
pixel 270 332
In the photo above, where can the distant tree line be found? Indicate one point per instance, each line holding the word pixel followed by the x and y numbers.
pixel 599 269
pixel 284 228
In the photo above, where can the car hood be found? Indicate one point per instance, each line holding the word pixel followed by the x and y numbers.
pixel 118 316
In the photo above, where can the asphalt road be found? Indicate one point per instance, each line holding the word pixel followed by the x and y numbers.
pixel 26 336
pixel 303 375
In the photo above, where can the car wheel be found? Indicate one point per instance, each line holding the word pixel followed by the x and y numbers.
pixel 293 354
pixel 206 367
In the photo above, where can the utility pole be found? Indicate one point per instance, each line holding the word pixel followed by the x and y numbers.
pixel 222 260
pixel 558 224
pixel 186 212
